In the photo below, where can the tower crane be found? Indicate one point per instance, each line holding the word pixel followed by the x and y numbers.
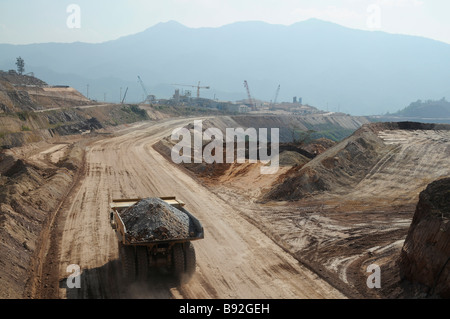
pixel 148 98
pixel 198 87
pixel 253 106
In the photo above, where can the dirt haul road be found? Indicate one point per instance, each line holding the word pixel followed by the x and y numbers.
pixel 235 260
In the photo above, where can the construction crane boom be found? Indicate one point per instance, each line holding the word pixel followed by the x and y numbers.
pixel 148 98
pixel 253 106
pixel 123 100
pixel 276 95
pixel 142 85
pixel 198 87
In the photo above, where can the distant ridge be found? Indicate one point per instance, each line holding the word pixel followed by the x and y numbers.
pixel 330 66
pixel 424 109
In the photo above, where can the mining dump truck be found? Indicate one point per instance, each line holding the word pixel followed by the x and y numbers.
pixel 155 233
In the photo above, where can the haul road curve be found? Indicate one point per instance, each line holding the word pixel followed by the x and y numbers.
pixel 235 260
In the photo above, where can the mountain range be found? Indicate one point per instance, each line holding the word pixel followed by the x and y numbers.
pixel 330 66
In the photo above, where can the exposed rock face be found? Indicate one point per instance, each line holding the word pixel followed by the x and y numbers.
pixel 425 257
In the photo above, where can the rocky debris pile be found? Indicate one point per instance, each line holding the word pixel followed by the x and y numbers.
pixel 425 256
pixel 154 219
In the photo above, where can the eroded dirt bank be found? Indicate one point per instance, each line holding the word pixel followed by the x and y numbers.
pixel 349 208
pixel 425 256
pixel 34 180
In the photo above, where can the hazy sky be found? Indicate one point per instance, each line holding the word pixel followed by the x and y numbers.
pixel 35 21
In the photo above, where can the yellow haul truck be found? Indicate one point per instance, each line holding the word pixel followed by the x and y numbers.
pixel 138 254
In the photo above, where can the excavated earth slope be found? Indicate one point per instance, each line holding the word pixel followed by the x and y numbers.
pixel 425 256
pixel 30 192
pixel 383 159
pixel 352 205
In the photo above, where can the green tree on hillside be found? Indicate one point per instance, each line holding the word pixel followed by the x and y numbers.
pixel 20 65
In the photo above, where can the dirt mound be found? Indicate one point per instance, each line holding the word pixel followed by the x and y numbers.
pixel 425 257
pixel 342 166
pixel 154 219
pixel 379 159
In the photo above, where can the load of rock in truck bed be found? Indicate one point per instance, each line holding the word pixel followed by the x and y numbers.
pixel 153 219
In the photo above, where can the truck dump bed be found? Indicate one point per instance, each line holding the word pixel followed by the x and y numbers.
pixel 154 221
